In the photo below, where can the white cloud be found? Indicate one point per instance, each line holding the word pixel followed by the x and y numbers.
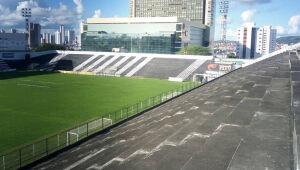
pixel 43 15
pixel 97 14
pixel 294 24
pixel 247 16
pixel 280 30
pixel 79 8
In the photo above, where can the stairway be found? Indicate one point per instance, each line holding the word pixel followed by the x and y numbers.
pixel 188 71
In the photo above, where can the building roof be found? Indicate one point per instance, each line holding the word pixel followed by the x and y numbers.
pixel 141 20
pixel 240 121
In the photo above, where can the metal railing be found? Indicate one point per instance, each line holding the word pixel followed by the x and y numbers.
pixel 32 152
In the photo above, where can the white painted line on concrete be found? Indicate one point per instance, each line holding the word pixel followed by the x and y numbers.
pixel 103 66
pixel 94 64
pixel 138 67
pixel 123 69
pixel 84 159
pixel 85 63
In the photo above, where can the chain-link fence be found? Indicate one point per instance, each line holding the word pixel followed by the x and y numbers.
pixel 32 152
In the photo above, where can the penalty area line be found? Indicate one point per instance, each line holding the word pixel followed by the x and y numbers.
pixel 32 85
pixel 44 82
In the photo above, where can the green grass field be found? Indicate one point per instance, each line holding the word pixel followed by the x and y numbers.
pixel 34 104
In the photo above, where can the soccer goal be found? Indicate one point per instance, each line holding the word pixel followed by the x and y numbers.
pixel 82 131
pixel 72 137
pixel 98 124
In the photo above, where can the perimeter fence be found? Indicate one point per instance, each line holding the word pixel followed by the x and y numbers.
pixel 25 155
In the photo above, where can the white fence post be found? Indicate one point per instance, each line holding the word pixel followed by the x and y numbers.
pixel 141 105
pixel 3 162
pixel 58 140
pixel 33 150
pixel 68 140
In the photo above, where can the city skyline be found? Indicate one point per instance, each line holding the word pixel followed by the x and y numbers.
pixel 52 13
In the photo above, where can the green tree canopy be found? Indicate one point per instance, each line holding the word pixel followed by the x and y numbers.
pixel 194 50
pixel 232 55
pixel 48 47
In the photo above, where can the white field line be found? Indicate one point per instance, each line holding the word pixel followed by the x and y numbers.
pixel 95 63
pixel 103 66
pixel 45 82
pixel 138 67
pixel 32 85
pixel 128 65
pixel 85 63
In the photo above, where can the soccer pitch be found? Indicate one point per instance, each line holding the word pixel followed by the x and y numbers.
pixel 34 105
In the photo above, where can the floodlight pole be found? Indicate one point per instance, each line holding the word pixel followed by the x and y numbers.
pixel 26 14
pixel 224 7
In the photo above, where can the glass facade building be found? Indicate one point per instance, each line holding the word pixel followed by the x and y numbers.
pixel 201 11
pixel 134 43
pixel 140 35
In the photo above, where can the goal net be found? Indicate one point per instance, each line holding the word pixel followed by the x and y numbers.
pixel 81 131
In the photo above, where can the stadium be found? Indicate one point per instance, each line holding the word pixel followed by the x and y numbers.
pixel 64 102
pixel 149 84
pixel 57 98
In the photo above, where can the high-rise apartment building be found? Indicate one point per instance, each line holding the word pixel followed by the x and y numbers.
pixel 52 39
pixel 202 11
pixel 246 42
pixel 58 38
pixel 254 42
pixel 71 36
pixel 62 34
pixel 46 38
pixel 266 40
pixel 34 35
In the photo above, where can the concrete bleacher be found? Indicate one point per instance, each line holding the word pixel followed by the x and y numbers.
pixel 128 64
pixel 76 60
pixel 240 121
pixel 106 64
pixel 189 70
pixel 132 65
pixel 3 65
pixel 139 66
pixel 101 62
pixel 163 68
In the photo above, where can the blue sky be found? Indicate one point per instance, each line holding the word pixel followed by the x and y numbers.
pixel 282 14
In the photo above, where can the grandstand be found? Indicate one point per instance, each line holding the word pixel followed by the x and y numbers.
pixel 125 64
pixel 247 119
pixel 3 65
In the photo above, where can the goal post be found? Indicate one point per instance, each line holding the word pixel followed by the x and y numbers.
pixel 74 135
pixel 71 136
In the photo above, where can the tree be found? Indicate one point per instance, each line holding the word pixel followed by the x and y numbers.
pixel 194 50
pixel 232 55
pixel 48 47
